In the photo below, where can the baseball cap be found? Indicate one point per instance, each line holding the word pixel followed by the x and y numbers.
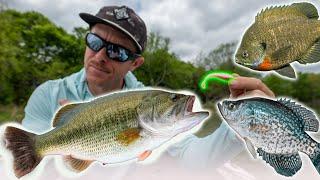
pixel 122 18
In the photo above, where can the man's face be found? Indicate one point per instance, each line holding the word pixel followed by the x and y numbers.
pixel 101 70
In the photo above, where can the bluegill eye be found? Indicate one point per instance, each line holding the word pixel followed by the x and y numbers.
pixel 245 54
pixel 231 106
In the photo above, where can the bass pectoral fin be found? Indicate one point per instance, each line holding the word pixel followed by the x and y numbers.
pixel 287 71
pixel 76 165
pixel 250 148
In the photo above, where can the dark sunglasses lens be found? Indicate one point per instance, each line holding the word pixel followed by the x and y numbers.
pixel 114 51
pixel 94 42
pixel 117 53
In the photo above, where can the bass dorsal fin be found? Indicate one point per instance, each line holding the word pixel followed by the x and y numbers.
pixel 62 112
pixel 307 10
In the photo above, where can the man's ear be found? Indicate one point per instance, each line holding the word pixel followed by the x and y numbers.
pixel 137 63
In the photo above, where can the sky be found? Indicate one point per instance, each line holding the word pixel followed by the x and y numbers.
pixel 193 26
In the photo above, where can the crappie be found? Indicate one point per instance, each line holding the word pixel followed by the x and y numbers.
pixel 280 36
pixel 110 129
pixel 276 129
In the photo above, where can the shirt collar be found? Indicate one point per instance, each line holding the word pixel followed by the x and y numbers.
pixel 129 81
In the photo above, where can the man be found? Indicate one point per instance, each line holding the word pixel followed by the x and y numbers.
pixel 114 45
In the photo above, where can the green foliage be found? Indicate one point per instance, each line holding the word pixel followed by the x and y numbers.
pixel 34 50
pixel 164 69
pixel 305 89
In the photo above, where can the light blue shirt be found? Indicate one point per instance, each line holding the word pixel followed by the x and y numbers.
pixel 44 101
pixel 220 146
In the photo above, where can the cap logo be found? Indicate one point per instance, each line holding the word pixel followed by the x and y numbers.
pixel 121 13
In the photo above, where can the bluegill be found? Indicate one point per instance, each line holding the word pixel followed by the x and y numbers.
pixel 111 129
pixel 280 36
pixel 276 130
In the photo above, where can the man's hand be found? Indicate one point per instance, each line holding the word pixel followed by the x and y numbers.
pixel 247 86
pixel 63 102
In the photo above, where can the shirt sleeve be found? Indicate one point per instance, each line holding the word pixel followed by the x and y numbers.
pixel 214 150
pixel 37 111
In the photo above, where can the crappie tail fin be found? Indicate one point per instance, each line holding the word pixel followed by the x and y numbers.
pixel 315 158
pixel 22 146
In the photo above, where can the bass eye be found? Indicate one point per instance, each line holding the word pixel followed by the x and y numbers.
pixel 174 97
pixel 245 54
pixel 231 106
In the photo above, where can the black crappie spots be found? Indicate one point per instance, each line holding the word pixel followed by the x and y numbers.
pixel 274 129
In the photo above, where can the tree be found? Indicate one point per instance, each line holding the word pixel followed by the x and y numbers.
pixel 218 56
pixel 33 50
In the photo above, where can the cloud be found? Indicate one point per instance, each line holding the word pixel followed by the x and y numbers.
pixel 193 26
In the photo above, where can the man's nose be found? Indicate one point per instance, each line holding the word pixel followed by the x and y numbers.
pixel 101 55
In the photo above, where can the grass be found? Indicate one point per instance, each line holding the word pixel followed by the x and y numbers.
pixel 9 113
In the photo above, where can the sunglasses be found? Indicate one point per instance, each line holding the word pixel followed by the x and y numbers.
pixel 113 51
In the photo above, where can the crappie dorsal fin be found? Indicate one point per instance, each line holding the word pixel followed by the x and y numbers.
pixel 307 9
pixel 287 71
pixel 62 112
pixel 310 121
pixel 284 164
pixel 76 165
pixel 298 9
pixel 313 54
pixel 128 136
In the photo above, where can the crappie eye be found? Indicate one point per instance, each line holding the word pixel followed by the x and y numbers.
pixel 245 54
pixel 231 106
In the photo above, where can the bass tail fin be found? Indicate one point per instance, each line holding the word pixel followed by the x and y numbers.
pixel 22 146
pixel 315 157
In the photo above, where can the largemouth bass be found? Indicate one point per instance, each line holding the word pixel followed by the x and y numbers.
pixel 111 129
pixel 280 36
pixel 274 129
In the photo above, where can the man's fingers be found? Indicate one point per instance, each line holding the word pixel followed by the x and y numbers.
pixel 63 102
pixel 248 84
pixel 253 93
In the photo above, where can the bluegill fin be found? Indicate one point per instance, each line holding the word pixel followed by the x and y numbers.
pixel 284 164
pixel 250 147
pixel 281 52
pixel 309 120
pixel 60 114
pixel 307 9
pixel 76 165
pixel 128 136
pixel 287 71
pixel 313 54
pixel 144 155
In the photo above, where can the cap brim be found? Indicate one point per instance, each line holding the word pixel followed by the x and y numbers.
pixel 91 20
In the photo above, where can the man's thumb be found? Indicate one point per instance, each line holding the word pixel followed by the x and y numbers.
pixel 63 102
